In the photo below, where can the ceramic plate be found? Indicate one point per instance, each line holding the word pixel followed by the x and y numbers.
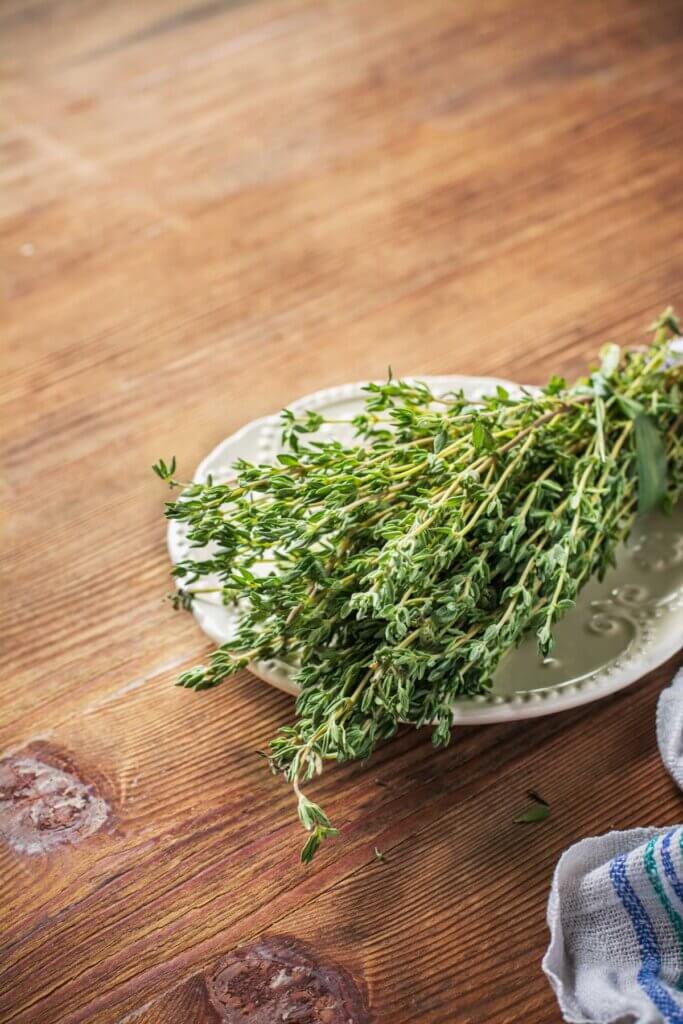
pixel 619 630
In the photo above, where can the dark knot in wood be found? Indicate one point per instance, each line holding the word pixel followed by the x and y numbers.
pixel 42 806
pixel 280 980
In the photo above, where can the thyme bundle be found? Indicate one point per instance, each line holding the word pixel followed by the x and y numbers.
pixel 394 573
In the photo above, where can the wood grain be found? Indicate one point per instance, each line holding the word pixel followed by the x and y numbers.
pixel 209 208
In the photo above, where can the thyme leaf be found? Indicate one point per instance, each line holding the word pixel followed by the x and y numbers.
pixel 537 812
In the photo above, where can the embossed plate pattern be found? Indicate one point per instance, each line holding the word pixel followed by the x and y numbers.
pixel 619 630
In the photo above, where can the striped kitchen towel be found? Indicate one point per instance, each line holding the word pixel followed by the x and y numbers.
pixel 616 912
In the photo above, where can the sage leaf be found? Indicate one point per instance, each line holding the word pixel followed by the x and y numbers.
pixel 629 406
pixel 651 461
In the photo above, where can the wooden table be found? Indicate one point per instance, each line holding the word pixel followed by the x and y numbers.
pixel 210 208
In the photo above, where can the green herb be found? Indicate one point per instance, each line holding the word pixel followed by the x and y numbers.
pixel 537 812
pixel 394 573
pixel 651 455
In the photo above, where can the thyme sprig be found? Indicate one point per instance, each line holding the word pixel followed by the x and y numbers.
pixel 395 572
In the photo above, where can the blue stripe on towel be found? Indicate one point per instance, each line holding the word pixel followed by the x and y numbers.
pixel 650 861
pixel 650 956
pixel 667 861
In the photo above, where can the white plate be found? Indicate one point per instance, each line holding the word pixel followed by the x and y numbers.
pixel 620 629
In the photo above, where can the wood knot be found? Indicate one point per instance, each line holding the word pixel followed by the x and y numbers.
pixel 280 980
pixel 43 806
